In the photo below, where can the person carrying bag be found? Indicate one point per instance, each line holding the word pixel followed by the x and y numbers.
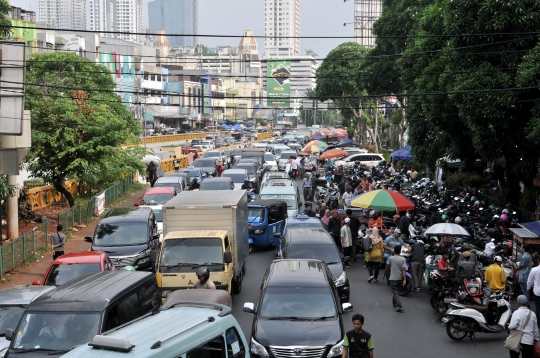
pixel 523 331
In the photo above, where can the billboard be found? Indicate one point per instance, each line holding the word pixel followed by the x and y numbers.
pixel 278 73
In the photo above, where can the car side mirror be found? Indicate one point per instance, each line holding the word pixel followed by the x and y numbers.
pixel 347 307
pixel 136 204
pixel 9 334
pixel 277 234
pixel 153 256
pixel 88 239
pixel 227 257
pixel 248 307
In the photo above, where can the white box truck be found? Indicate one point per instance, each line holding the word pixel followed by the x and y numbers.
pixel 203 228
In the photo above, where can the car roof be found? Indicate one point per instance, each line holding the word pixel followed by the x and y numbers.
pixel 159 190
pixel 19 295
pixel 168 180
pixel 138 214
pixel 297 272
pixel 219 179
pixel 307 220
pixel 303 236
pixel 234 171
pixel 91 292
pixel 81 257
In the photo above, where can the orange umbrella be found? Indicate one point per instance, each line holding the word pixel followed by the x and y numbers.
pixel 333 153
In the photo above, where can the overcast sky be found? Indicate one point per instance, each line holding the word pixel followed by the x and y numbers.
pixel 231 17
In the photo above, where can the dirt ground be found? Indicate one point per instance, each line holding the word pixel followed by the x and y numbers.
pixel 36 270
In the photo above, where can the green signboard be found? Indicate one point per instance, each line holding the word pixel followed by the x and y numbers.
pixel 278 73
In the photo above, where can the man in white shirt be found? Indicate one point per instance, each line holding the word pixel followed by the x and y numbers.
pixel 346 240
pixel 530 330
pixel 294 166
pixel 534 282
pixel 490 246
pixel 347 197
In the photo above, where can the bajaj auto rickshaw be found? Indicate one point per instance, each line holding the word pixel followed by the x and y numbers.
pixel 265 218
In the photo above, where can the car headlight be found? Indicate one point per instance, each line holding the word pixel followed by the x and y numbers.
pixel 260 231
pixel 337 350
pixel 257 348
pixel 164 293
pixel 341 279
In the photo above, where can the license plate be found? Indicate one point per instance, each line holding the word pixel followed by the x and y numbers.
pixel 444 320
pixel 450 300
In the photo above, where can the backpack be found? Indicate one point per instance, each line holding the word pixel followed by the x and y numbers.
pixel 367 244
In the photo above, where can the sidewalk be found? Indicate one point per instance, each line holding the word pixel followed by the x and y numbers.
pixel 36 270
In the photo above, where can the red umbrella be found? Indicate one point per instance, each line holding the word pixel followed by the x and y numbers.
pixel 333 153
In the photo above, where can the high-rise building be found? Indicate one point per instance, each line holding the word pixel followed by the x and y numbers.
pixel 129 19
pixel 102 16
pixel 282 27
pixel 175 17
pixel 63 14
pixel 366 12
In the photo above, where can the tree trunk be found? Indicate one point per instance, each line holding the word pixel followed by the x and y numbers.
pixel 402 136
pixel 60 186
pixel 374 139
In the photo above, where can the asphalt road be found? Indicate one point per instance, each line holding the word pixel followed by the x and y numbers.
pixel 414 333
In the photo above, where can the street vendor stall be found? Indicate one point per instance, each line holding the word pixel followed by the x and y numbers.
pixel 529 233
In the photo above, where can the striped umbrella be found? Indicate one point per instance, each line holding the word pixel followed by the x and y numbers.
pixel 383 200
pixel 311 149
pixel 317 143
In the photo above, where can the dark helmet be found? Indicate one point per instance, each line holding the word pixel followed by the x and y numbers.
pixel 246 179
pixel 203 271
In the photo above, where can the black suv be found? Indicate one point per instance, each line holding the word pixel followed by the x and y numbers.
pixel 298 312
pixel 195 142
pixel 127 235
pixel 317 244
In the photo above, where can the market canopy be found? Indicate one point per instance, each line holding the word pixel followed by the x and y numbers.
pixel 238 127
pixel 402 154
pixel 383 199
pixel 533 227
pixel 225 126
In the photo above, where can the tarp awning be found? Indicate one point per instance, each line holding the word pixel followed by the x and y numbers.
pixel 533 227
pixel 402 154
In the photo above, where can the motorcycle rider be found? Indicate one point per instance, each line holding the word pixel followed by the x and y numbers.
pixel 435 216
pixel 530 330
pixel 195 184
pixel 495 275
pixel 204 281
pixel 465 267
pixel 442 264
pixel 489 249
pixel 452 213
pixel 309 212
pixel 246 185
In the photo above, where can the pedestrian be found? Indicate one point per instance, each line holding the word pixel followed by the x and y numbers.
pixel 533 281
pixel 495 275
pixel 375 220
pixel 176 164
pixel 403 224
pixel 397 266
pixel 374 258
pixel 302 166
pixel 334 227
pixel 355 227
pixel 364 184
pixel 341 186
pixel 524 268
pixel 294 167
pixel 306 187
pixel 326 218
pixel 58 239
pixel 346 240
pixel 417 265
pixel 151 174
pixel 220 168
pixel 372 185
pixel 347 198
pixel 389 244
pixel 357 343
pixel 314 181
pixel 525 321
pixel 321 210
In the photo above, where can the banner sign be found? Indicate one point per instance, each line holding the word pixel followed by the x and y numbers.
pixel 99 204
pixel 278 73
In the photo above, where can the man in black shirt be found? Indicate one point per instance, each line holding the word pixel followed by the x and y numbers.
pixel 357 343
pixel 354 225
pixel 403 224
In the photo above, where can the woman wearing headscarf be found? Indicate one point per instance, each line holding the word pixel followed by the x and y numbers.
pixel 375 221
pixel 375 257
pixel 326 218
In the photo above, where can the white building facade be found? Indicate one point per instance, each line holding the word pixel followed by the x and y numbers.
pixel 102 13
pixel 64 14
pixel 129 18
pixel 282 27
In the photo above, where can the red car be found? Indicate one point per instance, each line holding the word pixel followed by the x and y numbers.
pixel 157 195
pixel 75 264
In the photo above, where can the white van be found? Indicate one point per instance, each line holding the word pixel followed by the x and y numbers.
pixel 180 330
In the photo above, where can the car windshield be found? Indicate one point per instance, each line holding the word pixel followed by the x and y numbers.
pixel 215 186
pixel 289 199
pixel 250 168
pixel 55 330
pixel 212 154
pixel 299 302
pixel 192 174
pixel 121 234
pixel 256 157
pixel 255 215
pixel 159 199
pixel 236 178
pixel 10 317
pixel 158 213
pixel 174 184
pixel 61 274
pixel 269 157
pixel 193 251
pixel 204 162
pixel 287 155
pixel 326 253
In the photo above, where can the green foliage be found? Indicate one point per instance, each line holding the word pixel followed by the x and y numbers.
pixel 463 179
pixel 78 133
pixel 5 188
pixel 528 199
pixel 5 22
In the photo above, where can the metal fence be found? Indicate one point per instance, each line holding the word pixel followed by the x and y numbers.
pixel 15 252
pixel 85 211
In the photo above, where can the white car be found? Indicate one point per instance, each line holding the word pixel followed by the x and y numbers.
pixel 368 159
pixel 270 161
pixel 209 143
pixel 158 213
pixel 216 153
pixel 202 147
pixel 284 158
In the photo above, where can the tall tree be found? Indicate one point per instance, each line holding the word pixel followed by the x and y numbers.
pixel 78 123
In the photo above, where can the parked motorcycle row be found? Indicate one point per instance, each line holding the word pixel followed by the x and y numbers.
pixel 465 304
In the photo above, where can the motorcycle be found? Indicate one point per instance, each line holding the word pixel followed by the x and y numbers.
pixel 462 321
